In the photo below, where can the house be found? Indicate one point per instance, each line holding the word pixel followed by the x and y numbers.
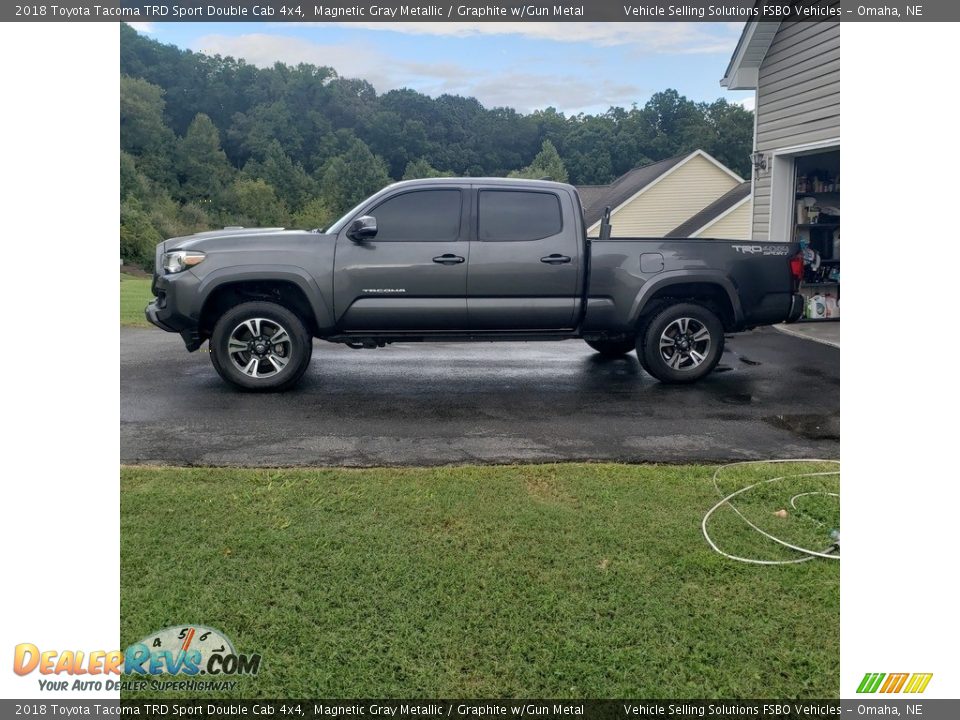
pixel 729 217
pixel 794 70
pixel 657 199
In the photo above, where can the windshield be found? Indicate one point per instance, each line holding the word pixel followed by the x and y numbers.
pixel 338 225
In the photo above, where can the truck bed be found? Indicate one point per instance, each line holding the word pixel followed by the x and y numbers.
pixel 756 277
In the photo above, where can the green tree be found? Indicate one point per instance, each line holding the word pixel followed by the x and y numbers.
pixel 546 164
pixel 171 219
pixel 143 133
pixel 132 182
pixel 189 122
pixel 588 145
pixel 138 238
pixel 315 214
pixel 351 176
pixel 142 128
pixel 292 183
pixel 730 135
pixel 253 132
pixel 254 202
pixel 420 168
pixel 202 166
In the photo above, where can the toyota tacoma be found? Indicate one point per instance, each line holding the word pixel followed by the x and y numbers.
pixel 465 259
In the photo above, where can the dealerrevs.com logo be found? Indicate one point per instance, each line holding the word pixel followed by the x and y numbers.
pixel 894 682
pixel 187 651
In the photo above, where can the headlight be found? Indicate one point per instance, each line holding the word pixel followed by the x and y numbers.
pixel 180 260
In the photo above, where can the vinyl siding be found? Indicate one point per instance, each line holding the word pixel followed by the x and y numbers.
pixel 673 200
pixel 798 99
pixel 733 226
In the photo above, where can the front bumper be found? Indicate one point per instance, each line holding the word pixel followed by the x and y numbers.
pixel 152 313
pixel 176 307
pixel 796 308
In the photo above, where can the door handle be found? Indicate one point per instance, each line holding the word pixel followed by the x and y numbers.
pixel 448 259
pixel 555 259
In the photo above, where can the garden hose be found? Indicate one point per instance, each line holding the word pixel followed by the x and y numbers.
pixel 831 552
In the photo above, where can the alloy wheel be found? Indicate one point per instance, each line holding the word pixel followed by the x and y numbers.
pixel 685 343
pixel 259 347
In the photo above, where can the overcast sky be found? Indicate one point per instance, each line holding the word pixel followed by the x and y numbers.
pixel 575 67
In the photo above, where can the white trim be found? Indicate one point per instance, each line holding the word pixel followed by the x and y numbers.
pixel 807 148
pixel 741 76
pixel 722 215
pixel 719 164
pixel 665 175
pixel 783 206
pixel 753 171
pixel 749 30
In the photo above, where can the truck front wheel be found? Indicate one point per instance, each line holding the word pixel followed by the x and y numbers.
pixel 681 344
pixel 260 346
pixel 612 348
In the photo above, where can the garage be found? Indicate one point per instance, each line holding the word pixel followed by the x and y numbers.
pixel 794 69
pixel 817 229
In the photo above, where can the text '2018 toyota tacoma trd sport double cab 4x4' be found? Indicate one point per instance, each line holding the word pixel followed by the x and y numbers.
pixel 465 259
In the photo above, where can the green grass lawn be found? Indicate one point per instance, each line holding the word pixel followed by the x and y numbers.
pixel 134 296
pixel 580 580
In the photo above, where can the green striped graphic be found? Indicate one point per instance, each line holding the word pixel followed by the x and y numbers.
pixel 870 682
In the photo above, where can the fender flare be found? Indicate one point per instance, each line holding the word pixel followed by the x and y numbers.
pixel 680 277
pixel 299 277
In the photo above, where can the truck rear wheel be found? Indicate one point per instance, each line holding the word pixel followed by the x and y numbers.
pixel 612 348
pixel 681 344
pixel 260 346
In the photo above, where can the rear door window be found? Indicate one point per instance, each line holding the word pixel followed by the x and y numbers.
pixel 517 215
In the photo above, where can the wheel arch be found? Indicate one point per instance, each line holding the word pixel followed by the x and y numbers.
pixel 714 290
pixel 288 286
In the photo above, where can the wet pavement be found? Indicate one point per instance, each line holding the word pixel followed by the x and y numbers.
pixel 773 396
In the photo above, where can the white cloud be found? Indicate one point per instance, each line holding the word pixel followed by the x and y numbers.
pixel 749 102
pixel 143 27
pixel 648 37
pixel 263 50
pixel 524 91
pixel 529 91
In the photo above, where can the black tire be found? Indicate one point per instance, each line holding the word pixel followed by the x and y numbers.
pixel 283 363
pixel 612 348
pixel 683 358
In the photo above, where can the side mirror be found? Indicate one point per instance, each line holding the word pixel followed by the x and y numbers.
pixel 362 228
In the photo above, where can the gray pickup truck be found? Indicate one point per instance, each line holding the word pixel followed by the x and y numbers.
pixel 465 259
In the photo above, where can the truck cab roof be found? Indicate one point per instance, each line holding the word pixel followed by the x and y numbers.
pixel 460 181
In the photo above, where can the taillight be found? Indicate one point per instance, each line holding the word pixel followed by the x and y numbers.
pixel 796 269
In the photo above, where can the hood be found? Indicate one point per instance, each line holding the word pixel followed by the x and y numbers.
pixel 213 237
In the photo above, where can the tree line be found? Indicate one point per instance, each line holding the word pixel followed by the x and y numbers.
pixel 210 141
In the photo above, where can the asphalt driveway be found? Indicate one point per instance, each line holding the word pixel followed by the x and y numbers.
pixel 773 396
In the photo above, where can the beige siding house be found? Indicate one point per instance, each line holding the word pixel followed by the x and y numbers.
pixel 794 69
pixel 736 225
pixel 728 217
pixel 656 200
